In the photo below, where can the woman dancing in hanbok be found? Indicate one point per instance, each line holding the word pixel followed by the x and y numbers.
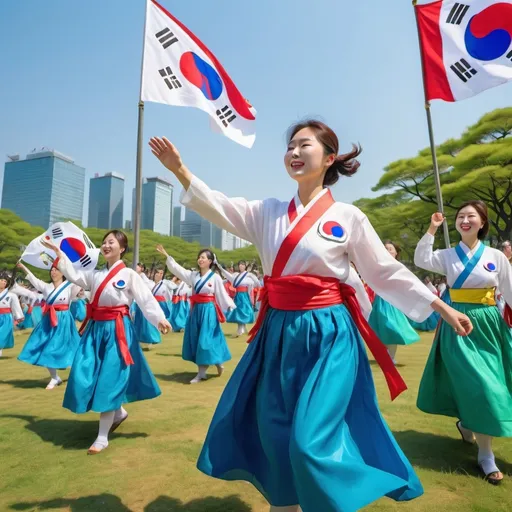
pixel 53 343
pixel 299 418
pixel 469 377
pixel 244 282
pixel 109 368
pixel 204 342
pixel 180 305
pixel 10 313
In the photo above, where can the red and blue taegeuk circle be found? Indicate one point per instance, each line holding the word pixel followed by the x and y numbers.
pixel 489 33
pixel 490 266
pixel 73 248
pixel 333 229
pixel 199 73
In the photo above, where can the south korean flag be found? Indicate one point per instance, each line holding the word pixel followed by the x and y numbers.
pixel 71 240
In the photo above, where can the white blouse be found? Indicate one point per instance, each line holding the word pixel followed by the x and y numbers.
pixel 11 301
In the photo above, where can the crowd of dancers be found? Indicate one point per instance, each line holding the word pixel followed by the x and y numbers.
pixel 298 418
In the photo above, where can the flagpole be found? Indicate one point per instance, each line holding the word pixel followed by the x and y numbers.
pixel 437 179
pixel 138 171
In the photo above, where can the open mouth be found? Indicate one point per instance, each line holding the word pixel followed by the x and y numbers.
pixel 297 165
pixel 465 228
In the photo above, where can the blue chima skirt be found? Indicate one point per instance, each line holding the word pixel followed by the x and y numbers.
pixel 244 312
pixel 6 331
pixel 37 315
pixel 145 332
pixel 100 381
pixel 78 310
pixel 390 325
pixel 427 325
pixel 27 321
pixel 165 308
pixel 299 419
pixel 179 315
pixel 204 342
pixel 53 347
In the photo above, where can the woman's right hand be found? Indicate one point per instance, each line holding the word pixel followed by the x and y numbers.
pixel 161 250
pixel 52 247
pixel 437 219
pixel 166 152
pixel 20 265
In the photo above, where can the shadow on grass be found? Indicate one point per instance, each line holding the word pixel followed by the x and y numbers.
pixel 181 377
pixel 69 434
pixel 167 355
pixel 103 502
pixel 443 454
pixel 210 504
pixel 26 383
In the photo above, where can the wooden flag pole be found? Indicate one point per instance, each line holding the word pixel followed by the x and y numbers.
pixel 437 179
pixel 138 171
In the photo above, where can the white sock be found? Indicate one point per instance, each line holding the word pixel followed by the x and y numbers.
pixel 202 371
pixel 392 351
pixel 1 352
pixel 240 330
pixel 53 373
pixel 120 414
pixel 106 420
pixel 484 447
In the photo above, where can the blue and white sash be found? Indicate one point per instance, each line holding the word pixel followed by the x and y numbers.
pixel 157 287
pixel 469 264
pixel 2 297
pixel 53 296
pixel 238 280
pixel 199 285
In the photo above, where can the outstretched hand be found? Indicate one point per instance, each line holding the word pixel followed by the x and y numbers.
pixel 166 152
pixel 437 219
pixel 164 327
pixel 52 247
pixel 161 250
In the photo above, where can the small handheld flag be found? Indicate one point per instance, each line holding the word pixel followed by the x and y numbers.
pixel 178 69
pixel 71 240
pixel 466 46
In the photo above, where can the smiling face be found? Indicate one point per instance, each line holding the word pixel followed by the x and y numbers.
pixel 3 284
pixel 392 250
pixel 468 222
pixel 203 262
pixel 55 275
pixel 305 158
pixel 111 249
pixel 241 267
pixel 159 275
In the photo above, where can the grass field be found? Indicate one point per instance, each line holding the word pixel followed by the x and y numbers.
pixel 150 463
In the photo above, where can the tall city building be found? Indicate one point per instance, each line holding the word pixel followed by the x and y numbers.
pixel 44 188
pixel 106 201
pixel 176 221
pixel 157 199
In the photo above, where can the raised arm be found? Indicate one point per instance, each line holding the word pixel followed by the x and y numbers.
pixel 145 300
pixel 17 312
pixel 424 255
pixel 236 215
pixel 20 291
pixel 228 275
pixel 221 296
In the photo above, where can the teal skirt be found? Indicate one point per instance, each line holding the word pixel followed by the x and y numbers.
pixel 204 342
pixel 78 309
pixel 244 312
pixel 100 381
pixel 27 321
pixel 52 347
pixel 6 331
pixel 390 324
pixel 37 315
pixel 145 332
pixel 427 325
pixel 299 419
pixel 470 377
pixel 179 315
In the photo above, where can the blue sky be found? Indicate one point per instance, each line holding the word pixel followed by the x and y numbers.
pixel 71 73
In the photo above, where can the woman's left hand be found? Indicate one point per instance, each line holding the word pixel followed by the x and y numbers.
pixel 52 247
pixel 164 327
pixel 461 323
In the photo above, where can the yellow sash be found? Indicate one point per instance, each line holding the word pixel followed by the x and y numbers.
pixel 474 296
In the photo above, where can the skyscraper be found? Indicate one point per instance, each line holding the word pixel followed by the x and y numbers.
pixel 157 198
pixel 106 201
pixel 44 188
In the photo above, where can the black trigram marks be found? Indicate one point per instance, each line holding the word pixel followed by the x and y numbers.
pixel 170 78
pixel 85 260
pixel 166 38
pixel 225 114
pixel 463 70
pixel 457 14
pixel 88 242
pixel 509 55
pixel 57 233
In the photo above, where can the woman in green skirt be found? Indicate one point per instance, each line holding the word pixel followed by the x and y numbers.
pixel 470 378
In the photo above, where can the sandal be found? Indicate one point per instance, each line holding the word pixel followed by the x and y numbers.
pixel 490 471
pixel 116 424
pixel 465 440
pixel 96 448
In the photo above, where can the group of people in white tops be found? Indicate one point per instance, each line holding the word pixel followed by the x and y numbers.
pixel 298 418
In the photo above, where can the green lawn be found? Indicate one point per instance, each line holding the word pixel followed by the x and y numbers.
pixel 150 463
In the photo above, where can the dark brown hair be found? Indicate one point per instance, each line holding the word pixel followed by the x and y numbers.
pixel 481 209
pixel 210 256
pixel 398 249
pixel 121 238
pixel 345 164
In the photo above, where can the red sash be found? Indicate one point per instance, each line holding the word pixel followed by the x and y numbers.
pixel 182 298
pixel 160 298
pixel 50 309
pixel 5 311
pixel 201 298
pixel 96 313
pixel 508 315
pixel 229 289
pixel 303 292
pixel 369 292
pixel 30 309
pixel 175 299
pixel 241 289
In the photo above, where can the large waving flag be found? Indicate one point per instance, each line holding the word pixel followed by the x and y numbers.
pixel 71 240
pixel 466 46
pixel 178 69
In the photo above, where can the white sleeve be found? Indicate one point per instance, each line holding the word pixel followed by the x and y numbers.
pixel 145 300
pixel 184 274
pixel 255 280
pixel 23 292
pixel 171 285
pixel 426 258
pixel 387 276
pixel 78 277
pixel 36 283
pixel 362 297
pixel 228 275
pixel 505 278
pixel 224 301
pixel 17 312
pixel 237 215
